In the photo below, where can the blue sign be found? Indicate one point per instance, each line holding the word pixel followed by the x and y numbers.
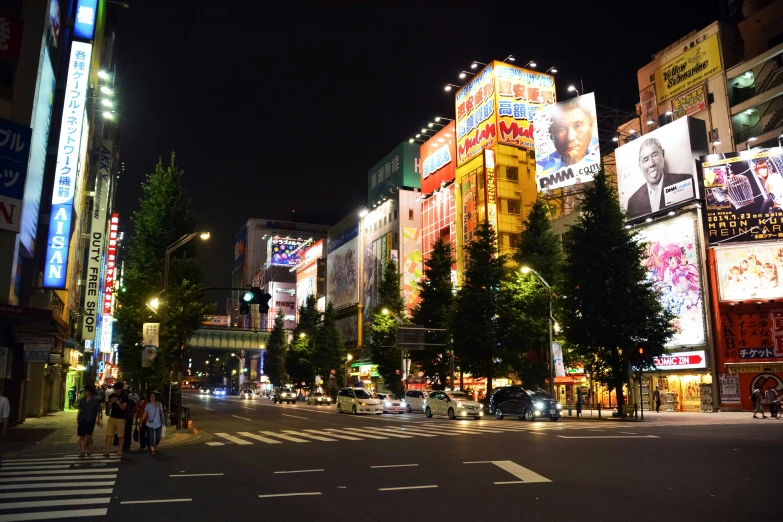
pixel 84 21
pixel 14 155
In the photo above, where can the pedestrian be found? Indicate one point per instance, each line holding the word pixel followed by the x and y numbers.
pixel 756 397
pixel 117 405
pixel 132 395
pixel 139 414
pixel 579 402
pixel 71 397
pixel 153 420
pixel 657 399
pixel 5 413
pixel 129 424
pixel 90 413
pixel 772 401
pixel 102 394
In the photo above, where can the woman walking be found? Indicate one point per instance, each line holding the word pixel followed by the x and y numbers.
pixel 153 420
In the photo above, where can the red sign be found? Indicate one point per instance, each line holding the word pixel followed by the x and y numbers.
pixel 681 361
pixel 438 159
pixel 111 264
pixel 10 36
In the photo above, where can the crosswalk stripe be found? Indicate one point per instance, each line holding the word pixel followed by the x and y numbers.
pixel 58 460
pixel 52 503
pixel 55 472
pixel 458 427
pixel 412 432
pixel 40 479
pixel 61 493
pixel 284 437
pixel 315 437
pixel 363 433
pixel 358 434
pixel 22 468
pixel 57 485
pixel 461 431
pixel 339 436
pixel 258 437
pixel 235 440
pixel 50 515
pixel 415 429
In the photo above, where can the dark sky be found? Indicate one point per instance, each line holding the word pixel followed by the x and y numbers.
pixel 271 110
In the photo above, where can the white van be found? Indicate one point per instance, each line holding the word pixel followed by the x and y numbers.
pixel 357 400
pixel 414 400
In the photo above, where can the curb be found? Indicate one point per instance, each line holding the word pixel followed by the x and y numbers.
pixel 189 440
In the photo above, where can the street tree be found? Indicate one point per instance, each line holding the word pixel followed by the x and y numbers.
pixel 276 352
pixel 474 324
pixel 330 353
pixel 387 314
pixel 164 215
pixel 300 361
pixel 436 300
pixel 608 307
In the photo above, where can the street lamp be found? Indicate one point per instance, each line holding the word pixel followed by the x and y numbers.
pixel 174 246
pixel 348 359
pixel 527 270
pixel 571 88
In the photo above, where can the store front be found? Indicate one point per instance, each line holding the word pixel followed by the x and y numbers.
pixel 567 387
pixel 682 391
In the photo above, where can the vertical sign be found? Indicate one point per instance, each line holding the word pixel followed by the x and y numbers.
pixel 107 325
pixel 111 266
pixel 84 22
pixel 14 154
pixel 492 207
pixel 150 335
pixel 649 107
pixel 92 293
pixel 557 359
pixel 64 190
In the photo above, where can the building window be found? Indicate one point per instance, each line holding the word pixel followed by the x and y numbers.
pixel 512 206
pixel 390 217
pixel 511 173
pixel 395 213
pixel 410 214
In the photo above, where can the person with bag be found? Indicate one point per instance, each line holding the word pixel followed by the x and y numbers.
pixel 756 398
pixel 153 422
pixel 116 426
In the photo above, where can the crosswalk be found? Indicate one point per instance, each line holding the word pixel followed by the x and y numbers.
pixel 390 431
pixel 56 487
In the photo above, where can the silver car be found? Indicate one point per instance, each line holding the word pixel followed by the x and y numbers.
pixel 453 404
pixel 391 404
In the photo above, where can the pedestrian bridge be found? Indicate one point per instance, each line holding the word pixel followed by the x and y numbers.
pixel 229 339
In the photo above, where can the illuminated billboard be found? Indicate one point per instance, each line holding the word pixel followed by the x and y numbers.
pixel 751 271
pixel 399 168
pixel 285 251
pixel 671 258
pixel 84 21
pixel 694 65
pixel 566 136
pixel 498 106
pixel 110 269
pixel 65 178
pixel 744 195
pixel 438 159
pixel 307 274
pixel 342 287
pixel 691 102
pixel 14 155
pixel 657 171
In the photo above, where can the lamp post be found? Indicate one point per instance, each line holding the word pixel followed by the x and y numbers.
pixel 174 246
pixel 551 320
pixel 348 359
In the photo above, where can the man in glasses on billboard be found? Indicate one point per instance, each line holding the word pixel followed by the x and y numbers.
pixel 662 188
pixel 572 131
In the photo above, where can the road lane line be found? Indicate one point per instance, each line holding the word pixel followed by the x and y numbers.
pixel 62 493
pixel 233 439
pixel 243 418
pixel 510 482
pixel 628 432
pixel 395 466
pixel 520 472
pixel 283 436
pixel 156 501
pixel 198 475
pixel 339 436
pixel 294 416
pixel 478 462
pixel 303 434
pixel 353 431
pixel 361 433
pixel 453 429
pixel 56 485
pixel 408 487
pixel 50 503
pixel 214 443
pixel 290 494
pixel 205 408
pixel 258 437
pixel 610 437
pixel 49 515
pixel 297 471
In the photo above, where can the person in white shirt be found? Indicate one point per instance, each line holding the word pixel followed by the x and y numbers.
pixel 5 412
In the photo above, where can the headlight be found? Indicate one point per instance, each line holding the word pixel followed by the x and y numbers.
pixel 539 405
pixel 559 406
pixel 361 404
pixel 460 405
pixel 387 404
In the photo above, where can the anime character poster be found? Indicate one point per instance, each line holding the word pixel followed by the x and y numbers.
pixel 750 271
pixel 672 263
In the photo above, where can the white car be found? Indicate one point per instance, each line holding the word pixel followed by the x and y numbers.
pixel 318 398
pixel 357 400
pixel 219 391
pixel 454 404
pixel 390 404
pixel 414 400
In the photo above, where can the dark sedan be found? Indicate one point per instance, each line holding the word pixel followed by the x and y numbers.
pixel 525 404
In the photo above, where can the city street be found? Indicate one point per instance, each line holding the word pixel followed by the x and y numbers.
pixel 255 458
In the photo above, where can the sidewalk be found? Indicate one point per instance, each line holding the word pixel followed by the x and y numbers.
pixel 56 433
pixel 673 418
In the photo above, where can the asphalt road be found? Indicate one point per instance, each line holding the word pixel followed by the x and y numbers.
pixel 257 459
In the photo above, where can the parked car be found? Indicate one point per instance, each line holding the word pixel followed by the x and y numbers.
pixel 414 400
pixel 525 404
pixel 282 395
pixel 454 404
pixel 247 393
pixel 318 399
pixel 220 390
pixel 391 404
pixel 357 400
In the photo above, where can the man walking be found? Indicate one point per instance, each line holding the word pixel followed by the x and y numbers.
pixel 90 413
pixel 657 399
pixel 756 397
pixel 118 403
pixel 772 401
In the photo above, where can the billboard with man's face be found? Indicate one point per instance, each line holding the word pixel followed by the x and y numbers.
pixel 566 136
pixel 744 195
pixel 657 171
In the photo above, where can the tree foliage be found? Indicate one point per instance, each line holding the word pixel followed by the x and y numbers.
pixel 330 353
pixel 300 361
pixel 382 330
pixel 276 352
pixel 608 307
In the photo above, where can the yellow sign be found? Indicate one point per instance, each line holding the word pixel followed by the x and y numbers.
pixel 694 65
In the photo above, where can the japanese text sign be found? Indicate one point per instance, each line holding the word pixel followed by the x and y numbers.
pixel 690 102
pixel 699 60
pixel 111 265
pixel 107 327
pixel 491 189
pixel 84 22
pixel 438 159
pixel 65 176
pixel 399 168
pixel 14 155
pixel 750 336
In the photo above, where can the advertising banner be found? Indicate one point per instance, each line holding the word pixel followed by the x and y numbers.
pixel 750 271
pixel 240 245
pixel 285 252
pixel 681 361
pixel 557 357
pixel 696 63
pixel 744 195
pixel 106 329
pixel 747 337
pixel 671 259
pixel 14 157
pixel 657 171
pixel 729 387
pixel 649 105
pixel 566 137
pixel 349 329
pixel 375 255
pixel 109 273
pixel 491 192
pixel 690 102
pixel 342 287
pixel 412 265
pixel 65 178
pixel 399 168
pixel 476 121
pixel 92 284
pixel 150 341
pixel 469 206
pixel 438 159
pixel 84 22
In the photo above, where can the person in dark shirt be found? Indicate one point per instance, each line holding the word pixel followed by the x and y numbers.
pixel 90 413
pixel 130 412
pixel 117 417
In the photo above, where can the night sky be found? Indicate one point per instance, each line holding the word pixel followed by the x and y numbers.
pixel 286 109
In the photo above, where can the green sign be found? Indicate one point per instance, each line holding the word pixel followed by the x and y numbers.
pixel 398 169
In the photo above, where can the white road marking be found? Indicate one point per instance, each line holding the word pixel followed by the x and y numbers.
pixel 294 416
pixel 28 467
pixel 61 493
pixel 156 501
pixel 386 433
pixel 297 471
pixel 407 487
pixel 315 437
pixel 233 439
pixel 395 466
pixel 290 494
pixel 59 460
pixel 522 473
pixel 49 503
pixel 510 482
pixel 49 515
pixel 258 437
pixel 57 485
pixel 611 437
pixel 205 408
pixel 56 472
pixel 243 418
pixel 478 462
pixel 284 437
pixel 199 475
pixel 360 433
pixel 91 477
pixel 214 443
pixel 628 432
pixel 339 436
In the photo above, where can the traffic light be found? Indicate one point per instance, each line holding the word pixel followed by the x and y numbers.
pixel 253 295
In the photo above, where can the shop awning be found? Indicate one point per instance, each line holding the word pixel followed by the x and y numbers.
pixel 364 361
